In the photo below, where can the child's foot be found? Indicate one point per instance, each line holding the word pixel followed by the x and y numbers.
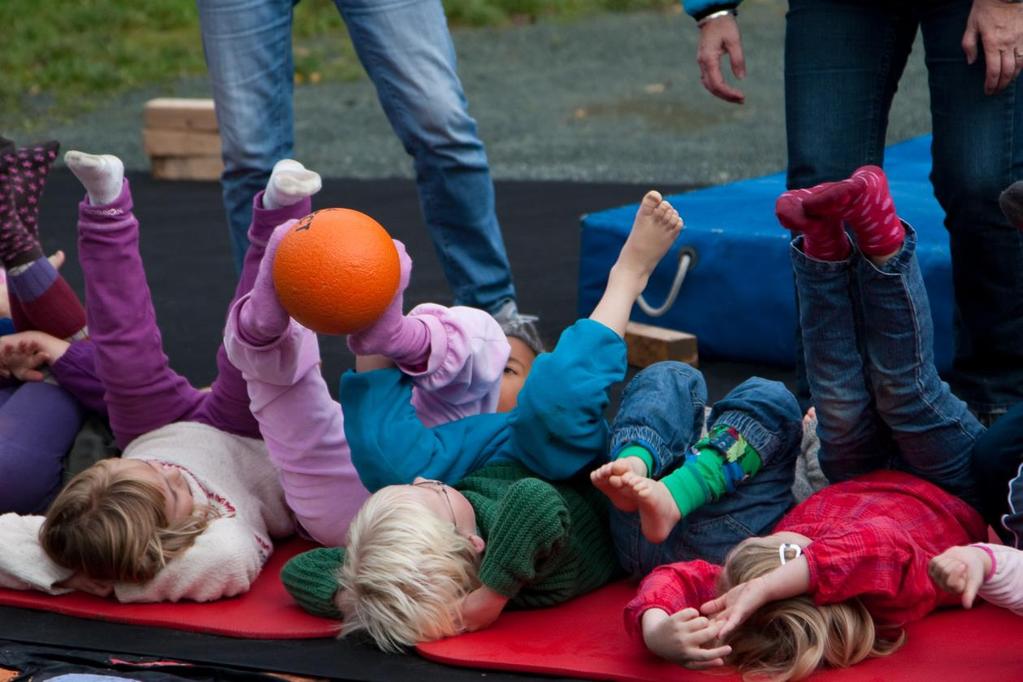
pixel 290 182
pixel 960 570
pixel 1011 202
pixel 608 480
pixel 864 201
pixel 658 512
pixel 29 168
pixel 655 229
pixel 823 238
pixel 101 174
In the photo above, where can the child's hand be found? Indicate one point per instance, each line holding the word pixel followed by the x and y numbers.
pixel 5 303
pixel 686 638
pixel 481 607
pixel 22 354
pixel 960 570
pixel 381 337
pixel 81 583
pixel 731 609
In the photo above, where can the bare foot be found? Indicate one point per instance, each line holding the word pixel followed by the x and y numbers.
pixel 608 480
pixel 658 512
pixel 653 232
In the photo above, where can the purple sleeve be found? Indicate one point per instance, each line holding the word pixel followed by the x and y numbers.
pixel 462 377
pixel 75 371
pixel 302 425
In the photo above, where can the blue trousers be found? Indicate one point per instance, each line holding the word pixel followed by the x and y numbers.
pixel 406 49
pixel 843 62
pixel 663 409
pixel 998 461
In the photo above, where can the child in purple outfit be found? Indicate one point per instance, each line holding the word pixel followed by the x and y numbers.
pixel 191 509
pixel 195 480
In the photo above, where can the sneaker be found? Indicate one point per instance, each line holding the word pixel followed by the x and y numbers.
pixel 522 327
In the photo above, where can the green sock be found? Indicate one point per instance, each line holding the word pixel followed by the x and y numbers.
pixel 712 467
pixel 633 450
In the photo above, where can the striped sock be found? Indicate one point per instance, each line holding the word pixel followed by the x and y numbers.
pixel 45 300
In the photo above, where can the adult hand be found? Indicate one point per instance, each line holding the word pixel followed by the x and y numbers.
pixel 685 638
pixel 998 26
pixel 719 37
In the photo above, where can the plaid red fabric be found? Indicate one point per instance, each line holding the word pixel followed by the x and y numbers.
pixel 872 538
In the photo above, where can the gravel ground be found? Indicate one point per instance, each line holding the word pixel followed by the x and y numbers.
pixel 609 98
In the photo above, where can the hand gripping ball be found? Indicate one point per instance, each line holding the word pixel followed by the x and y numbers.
pixel 336 271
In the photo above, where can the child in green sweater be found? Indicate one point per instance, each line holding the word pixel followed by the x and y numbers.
pixel 427 560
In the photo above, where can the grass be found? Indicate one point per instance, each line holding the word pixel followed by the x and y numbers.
pixel 60 57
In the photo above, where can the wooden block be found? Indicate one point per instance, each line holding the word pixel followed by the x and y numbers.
pixel 167 142
pixel 187 167
pixel 180 114
pixel 648 344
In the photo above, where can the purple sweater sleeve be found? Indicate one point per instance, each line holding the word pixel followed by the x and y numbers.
pixel 462 376
pixel 303 427
pixel 1005 587
pixel 75 371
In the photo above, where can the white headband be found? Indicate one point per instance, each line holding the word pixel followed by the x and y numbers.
pixel 785 546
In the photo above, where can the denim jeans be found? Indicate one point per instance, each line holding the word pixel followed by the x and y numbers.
pixel 843 61
pixel 662 409
pixel 998 462
pixel 868 345
pixel 406 49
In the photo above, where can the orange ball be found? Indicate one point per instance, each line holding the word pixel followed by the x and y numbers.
pixel 336 271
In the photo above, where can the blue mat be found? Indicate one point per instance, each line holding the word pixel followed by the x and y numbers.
pixel 739 298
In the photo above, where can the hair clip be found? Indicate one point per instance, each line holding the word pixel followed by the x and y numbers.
pixel 797 551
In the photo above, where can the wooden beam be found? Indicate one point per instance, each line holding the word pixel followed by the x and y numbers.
pixel 180 114
pixel 167 142
pixel 187 167
pixel 648 344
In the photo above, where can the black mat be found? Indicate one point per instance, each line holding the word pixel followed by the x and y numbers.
pixel 185 249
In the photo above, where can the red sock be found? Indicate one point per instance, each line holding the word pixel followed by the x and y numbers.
pixel 823 238
pixel 865 203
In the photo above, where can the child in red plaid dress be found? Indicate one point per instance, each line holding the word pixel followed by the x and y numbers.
pixel 845 569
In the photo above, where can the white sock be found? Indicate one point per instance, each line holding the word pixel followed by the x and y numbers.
pixel 289 183
pixel 101 174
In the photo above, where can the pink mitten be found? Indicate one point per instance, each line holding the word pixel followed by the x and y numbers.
pixel 262 319
pixel 406 340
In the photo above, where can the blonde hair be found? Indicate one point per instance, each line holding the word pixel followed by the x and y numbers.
pixel 109 526
pixel 790 638
pixel 405 573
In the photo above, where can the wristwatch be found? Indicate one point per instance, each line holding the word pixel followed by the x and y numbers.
pixel 731 11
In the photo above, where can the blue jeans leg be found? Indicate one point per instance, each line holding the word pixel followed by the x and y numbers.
pixel 662 409
pixel 853 438
pixel 998 465
pixel 248 53
pixel 406 49
pixel 837 100
pixel 934 429
pixel 978 151
pixel 767 415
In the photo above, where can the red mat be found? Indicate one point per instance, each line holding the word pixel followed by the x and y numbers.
pixel 586 638
pixel 264 612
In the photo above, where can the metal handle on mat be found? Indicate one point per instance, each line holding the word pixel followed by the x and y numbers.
pixel 686 261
